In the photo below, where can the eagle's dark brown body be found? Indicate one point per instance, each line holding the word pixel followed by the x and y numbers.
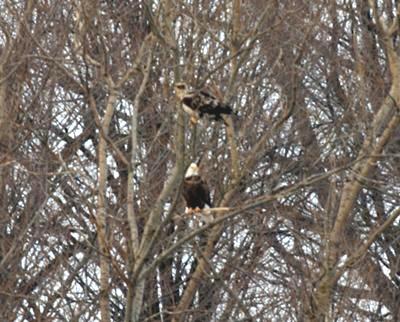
pixel 196 192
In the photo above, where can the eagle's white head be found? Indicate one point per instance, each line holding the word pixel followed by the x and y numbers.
pixel 192 171
pixel 180 90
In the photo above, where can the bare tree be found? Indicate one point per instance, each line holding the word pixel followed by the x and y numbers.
pixel 94 144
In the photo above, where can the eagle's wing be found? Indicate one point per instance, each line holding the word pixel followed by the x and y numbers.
pixel 193 100
pixel 207 95
pixel 187 188
pixel 199 102
pixel 212 105
pixel 206 193
pixel 208 100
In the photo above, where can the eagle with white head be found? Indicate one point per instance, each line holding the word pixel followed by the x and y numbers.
pixel 195 190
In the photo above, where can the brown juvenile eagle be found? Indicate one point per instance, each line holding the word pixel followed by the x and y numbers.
pixel 200 102
pixel 195 190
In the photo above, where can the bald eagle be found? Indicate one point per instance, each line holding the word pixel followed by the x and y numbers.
pixel 199 102
pixel 195 190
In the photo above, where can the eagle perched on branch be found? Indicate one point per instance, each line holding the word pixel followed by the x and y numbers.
pixel 195 190
pixel 200 102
